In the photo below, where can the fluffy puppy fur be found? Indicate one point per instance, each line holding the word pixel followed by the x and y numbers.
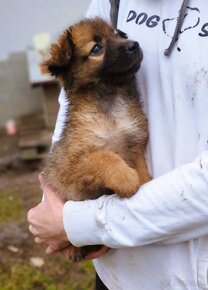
pixel 101 150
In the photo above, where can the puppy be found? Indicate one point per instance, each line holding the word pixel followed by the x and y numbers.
pixel 101 149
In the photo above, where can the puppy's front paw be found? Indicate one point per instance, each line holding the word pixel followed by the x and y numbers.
pixel 79 254
pixel 128 183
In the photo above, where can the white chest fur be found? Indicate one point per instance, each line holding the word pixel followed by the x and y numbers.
pixel 108 130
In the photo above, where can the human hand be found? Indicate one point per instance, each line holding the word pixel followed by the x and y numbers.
pixel 46 221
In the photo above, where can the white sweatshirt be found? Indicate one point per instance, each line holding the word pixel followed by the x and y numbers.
pixel 160 235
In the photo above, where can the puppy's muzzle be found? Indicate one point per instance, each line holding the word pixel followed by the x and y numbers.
pixel 133 48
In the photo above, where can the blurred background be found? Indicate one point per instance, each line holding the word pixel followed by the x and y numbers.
pixel 28 109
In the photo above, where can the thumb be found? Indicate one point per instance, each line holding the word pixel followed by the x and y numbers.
pixel 47 191
pixel 42 185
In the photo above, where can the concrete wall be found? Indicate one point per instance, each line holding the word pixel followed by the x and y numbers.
pixel 20 20
pixel 17 97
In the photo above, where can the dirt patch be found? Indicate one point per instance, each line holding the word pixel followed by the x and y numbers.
pixel 19 191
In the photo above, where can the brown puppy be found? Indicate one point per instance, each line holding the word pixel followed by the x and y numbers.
pixel 102 145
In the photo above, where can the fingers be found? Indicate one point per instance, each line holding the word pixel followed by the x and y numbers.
pixel 65 249
pixel 32 230
pixel 39 240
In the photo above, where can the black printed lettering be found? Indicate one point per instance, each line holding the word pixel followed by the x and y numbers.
pixel 204 30
pixel 132 15
pixel 153 21
pixel 141 18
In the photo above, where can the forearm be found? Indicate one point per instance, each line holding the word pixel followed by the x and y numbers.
pixel 169 209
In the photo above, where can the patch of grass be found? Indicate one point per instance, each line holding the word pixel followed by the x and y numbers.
pixel 11 207
pixel 89 273
pixel 16 272
pixel 25 277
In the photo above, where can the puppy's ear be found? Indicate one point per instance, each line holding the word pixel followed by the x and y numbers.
pixel 61 53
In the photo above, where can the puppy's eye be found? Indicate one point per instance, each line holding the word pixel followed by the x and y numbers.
pixel 97 49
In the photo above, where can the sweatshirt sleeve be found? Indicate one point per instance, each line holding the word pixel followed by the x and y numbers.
pixel 170 209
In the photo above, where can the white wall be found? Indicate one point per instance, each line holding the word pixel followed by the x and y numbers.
pixel 21 19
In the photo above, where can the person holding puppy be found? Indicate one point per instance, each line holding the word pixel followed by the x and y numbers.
pixel 159 236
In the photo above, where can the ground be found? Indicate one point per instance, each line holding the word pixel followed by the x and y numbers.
pixel 23 264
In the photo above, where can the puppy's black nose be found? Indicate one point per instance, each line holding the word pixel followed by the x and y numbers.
pixel 132 46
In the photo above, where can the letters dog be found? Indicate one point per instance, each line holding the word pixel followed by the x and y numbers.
pixel 102 145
